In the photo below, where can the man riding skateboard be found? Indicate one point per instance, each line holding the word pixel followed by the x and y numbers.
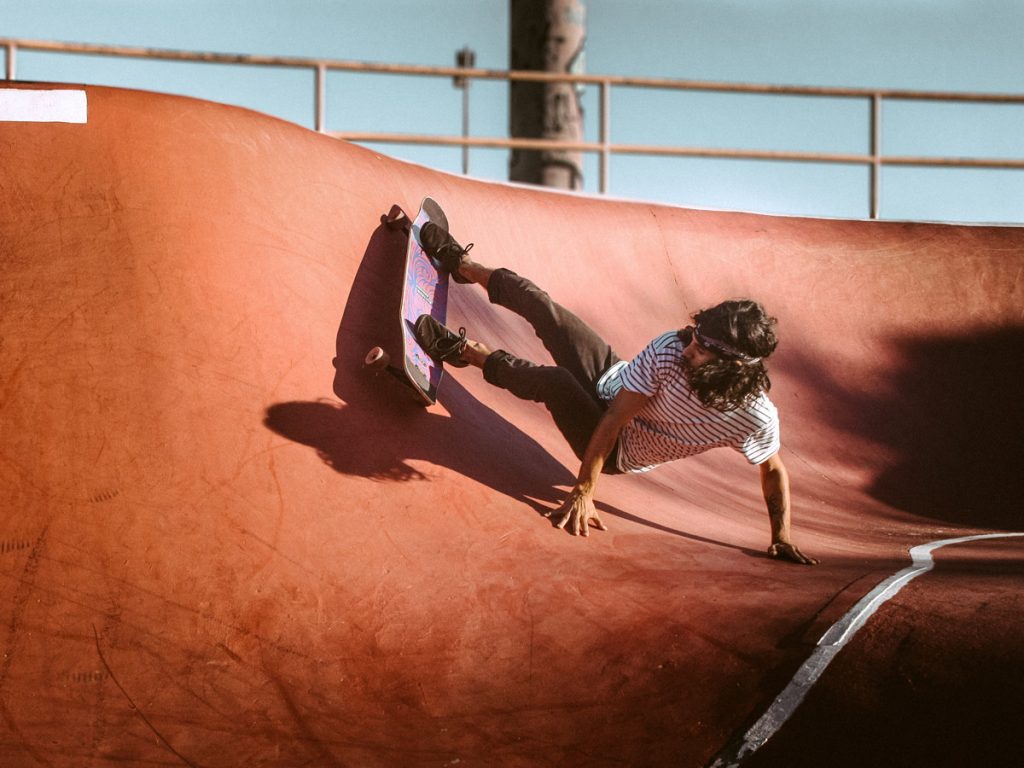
pixel 688 391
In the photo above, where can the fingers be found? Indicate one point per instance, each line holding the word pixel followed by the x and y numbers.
pixel 576 516
pixel 565 514
pixel 591 518
pixel 584 520
pixel 790 552
pixel 800 557
pixel 560 515
pixel 804 559
pixel 578 520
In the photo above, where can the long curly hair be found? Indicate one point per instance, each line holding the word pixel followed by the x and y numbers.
pixel 741 334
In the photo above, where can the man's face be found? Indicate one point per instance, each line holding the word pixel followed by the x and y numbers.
pixel 695 355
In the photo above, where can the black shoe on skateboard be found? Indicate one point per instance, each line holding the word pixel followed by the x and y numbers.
pixel 439 342
pixel 440 245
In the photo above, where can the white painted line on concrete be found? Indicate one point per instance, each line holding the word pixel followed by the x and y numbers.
pixel 21 105
pixel 829 645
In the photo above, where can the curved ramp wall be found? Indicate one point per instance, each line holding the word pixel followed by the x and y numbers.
pixel 222 542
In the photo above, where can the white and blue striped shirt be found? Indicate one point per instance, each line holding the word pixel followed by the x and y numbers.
pixel 674 424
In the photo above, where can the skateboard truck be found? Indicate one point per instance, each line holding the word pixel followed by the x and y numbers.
pixel 377 360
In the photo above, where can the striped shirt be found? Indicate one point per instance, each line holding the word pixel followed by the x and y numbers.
pixel 674 424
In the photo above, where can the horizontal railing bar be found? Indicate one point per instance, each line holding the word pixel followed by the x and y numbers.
pixel 957 162
pixel 644 149
pixel 472 141
pixel 587 146
pixel 519 75
pixel 739 154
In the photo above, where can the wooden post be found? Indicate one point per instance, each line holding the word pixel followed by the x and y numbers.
pixel 546 36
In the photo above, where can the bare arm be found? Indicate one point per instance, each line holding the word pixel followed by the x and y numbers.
pixel 775 486
pixel 578 510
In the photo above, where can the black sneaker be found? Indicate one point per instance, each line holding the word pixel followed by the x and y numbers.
pixel 440 245
pixel 439 342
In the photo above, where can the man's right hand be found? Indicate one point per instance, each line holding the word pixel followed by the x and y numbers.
pixel 577 512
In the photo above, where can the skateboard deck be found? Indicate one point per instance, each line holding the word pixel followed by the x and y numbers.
pixel 424 292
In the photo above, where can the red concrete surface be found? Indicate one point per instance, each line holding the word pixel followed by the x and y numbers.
pixel 935 678
pixel 222 543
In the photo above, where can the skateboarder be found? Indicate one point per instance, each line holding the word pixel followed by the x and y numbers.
pixel 688 391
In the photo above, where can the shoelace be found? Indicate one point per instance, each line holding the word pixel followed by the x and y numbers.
pixel 453 246
pixel 447 348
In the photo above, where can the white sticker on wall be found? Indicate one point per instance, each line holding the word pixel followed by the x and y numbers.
pixel 54 106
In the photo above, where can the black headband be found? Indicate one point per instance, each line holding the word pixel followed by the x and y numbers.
pixel 724 349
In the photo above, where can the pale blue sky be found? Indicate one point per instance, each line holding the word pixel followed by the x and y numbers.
pixel 947 45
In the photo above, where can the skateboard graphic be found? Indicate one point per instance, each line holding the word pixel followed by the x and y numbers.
pixel 424 292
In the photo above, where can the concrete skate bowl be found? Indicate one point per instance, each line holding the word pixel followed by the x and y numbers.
pixel 223 542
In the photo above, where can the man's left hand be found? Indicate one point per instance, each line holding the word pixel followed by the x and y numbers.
pixel 785 551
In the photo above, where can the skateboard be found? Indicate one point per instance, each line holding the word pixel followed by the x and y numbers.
pixel 424 292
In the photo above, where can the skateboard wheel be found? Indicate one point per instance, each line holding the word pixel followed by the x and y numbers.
pixel 377 358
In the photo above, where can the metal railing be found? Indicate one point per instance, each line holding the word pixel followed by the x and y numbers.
pixel 874 160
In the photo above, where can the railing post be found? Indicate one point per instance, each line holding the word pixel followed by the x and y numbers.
pixel 605 137
pixel 876 154
pixel 321 98
pixel 12 51
pixel 465 129
pixel 465 58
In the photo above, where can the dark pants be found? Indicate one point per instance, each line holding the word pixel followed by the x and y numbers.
pixel 567 388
